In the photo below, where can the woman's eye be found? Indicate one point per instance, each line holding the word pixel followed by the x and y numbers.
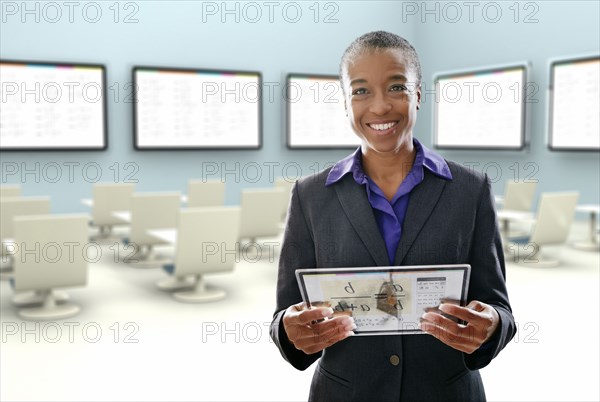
pixel 398 87
pixel 359 91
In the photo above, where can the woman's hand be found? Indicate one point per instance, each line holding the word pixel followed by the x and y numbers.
pixel 312 330
pixel 482 320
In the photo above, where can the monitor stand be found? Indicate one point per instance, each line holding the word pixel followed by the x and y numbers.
pixel 37 297
pixel 200 293
pixel 50 310
pixel 146 258
pixel 176 283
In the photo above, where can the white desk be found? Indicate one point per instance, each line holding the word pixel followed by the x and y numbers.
pixel 124 216
pixel 499 199
pixel 168 235
pixel 511 215
pixel 591 244
pixel 88 202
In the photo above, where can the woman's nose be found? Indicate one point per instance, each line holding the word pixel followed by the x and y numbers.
pixel 380 105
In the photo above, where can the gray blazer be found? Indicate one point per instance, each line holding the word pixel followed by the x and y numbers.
pixel 447 222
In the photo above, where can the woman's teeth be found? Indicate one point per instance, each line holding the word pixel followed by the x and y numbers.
pixel 381 127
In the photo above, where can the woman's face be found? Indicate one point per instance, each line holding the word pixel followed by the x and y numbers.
pixel 382 99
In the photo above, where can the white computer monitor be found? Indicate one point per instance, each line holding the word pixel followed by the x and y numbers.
pixel 206 193
pixel 316 117
pixel 574 102
pixel 518 195
pixel 481 108
pixel 108 199
pixel 552 226
pixel 554 217
pixel 52 106
pixel 11 207
pixel 261 212
pixel 10 190
pixel 206 243
pixel 150 211
pixel 177 108
pixel 50 254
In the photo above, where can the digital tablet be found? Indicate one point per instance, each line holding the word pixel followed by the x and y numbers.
pixel 384 300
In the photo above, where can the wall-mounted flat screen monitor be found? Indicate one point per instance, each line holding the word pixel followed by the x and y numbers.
pixel 316 117
pixel 177 108
pixel 480 109
pixel 52 106
pixel 574 115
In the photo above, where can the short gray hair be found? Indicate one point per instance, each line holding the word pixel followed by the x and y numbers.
pixel 381 40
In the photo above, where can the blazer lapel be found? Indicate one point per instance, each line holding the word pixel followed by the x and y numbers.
pixel 355 204
pixel 422 201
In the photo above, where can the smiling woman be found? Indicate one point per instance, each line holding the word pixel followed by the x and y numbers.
pixel 384 95
pixel 387 204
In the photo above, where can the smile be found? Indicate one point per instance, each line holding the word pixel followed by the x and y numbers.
pixel 383 128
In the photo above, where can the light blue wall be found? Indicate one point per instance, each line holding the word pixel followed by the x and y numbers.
pixel 172 33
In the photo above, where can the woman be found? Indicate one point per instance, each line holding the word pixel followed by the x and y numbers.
pixel 392 202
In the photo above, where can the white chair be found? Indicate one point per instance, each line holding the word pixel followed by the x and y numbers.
pixel 552 224
pixel 10 207
pixel 151 211
pixel 287 186
pixel 261 212
pixel 110 198
pixel 209 193
pixel 50 255
pixel 10 190
pixel 206 243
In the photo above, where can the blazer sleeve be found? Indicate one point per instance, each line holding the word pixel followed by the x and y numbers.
pixel 488 279
pixel 297 251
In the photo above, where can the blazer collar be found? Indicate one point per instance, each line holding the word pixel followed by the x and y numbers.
pixel 423 200
pixel 354 202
